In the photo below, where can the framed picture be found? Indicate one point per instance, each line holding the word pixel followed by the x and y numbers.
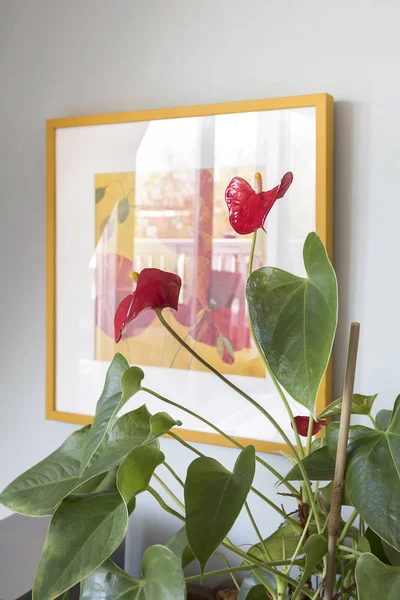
pixel 147 189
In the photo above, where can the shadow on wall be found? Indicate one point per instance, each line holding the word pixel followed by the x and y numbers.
pixel 350 233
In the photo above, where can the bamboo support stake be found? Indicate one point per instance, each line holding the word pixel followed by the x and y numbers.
pixel 336 500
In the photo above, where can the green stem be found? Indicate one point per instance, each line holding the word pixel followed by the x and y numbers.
pixel 325 525
pixel 350 551
pixel 276 508
pixel 229 546
pixel 309 435
pixel 347 526
pixel 317 593
pixel 229 383
pixel 230 439
pixel 373 421
pixel 270 567
pixel 164 505
pixel 258 532
pixel 266 363
pixel 295 525
pixel 226 561
pixel 228 570
pixel 361 527
pixel 174 475
pixel 272 591
pixel 258 406
pixel 301 540
pixel 169 492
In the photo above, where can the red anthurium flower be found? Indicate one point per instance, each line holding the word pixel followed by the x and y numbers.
pixel 248 209
pixel 155 289
pixel 302 425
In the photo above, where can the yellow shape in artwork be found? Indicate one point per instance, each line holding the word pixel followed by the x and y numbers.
pixel 169 221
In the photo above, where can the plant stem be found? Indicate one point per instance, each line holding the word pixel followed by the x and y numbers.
pixel 264 358
pixel 351 551
pixel 317 593
pixel 186 444
pixel 174 475
pixel 272 592
pixel 226 561
pixel 169 492
pixel 229 546
pixel 301 540
pixel 373 421
pixel 309 435
pixel 230 439
pixel 258 406
pixel 164 505
pixel 361 527
pixel 229 383
pixel 228 570
pixel 295 525
pixel 276 508
pixel 258 532
pixel 270 567
pixel 347 526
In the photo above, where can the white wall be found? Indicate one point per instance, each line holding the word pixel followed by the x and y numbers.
pixel 69 57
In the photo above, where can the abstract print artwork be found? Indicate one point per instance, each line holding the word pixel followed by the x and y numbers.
pixel 175 221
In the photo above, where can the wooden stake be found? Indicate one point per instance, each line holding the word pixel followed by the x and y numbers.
pixel 337 492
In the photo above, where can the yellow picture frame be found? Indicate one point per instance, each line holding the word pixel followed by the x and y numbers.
pixel 324 111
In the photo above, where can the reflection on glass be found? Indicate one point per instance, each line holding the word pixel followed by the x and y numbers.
pixel 169 212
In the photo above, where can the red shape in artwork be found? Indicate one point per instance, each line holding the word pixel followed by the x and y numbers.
pixel 214 320
pixel 247 209
pixel 155 289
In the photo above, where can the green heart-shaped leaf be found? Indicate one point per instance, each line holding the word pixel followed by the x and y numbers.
pixel 255 592
pixel 318 465
pixel 214 498
pixel 83 533
pixel 383 419
pixel 129 431
pixel 251 587
pixel 382 550
pixel 294 320
pixel 180 547
pixel 278 546
pixel 122 382
pixel 38 491
pixel 376 581
pixel 137 469
pixel 136 428
pixel 161 423
pixel 326 495
pixel 361 405
pixel 162 579
pixel 373 479
pixel 356 434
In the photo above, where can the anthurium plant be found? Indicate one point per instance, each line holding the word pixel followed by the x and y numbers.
pixel 90 484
